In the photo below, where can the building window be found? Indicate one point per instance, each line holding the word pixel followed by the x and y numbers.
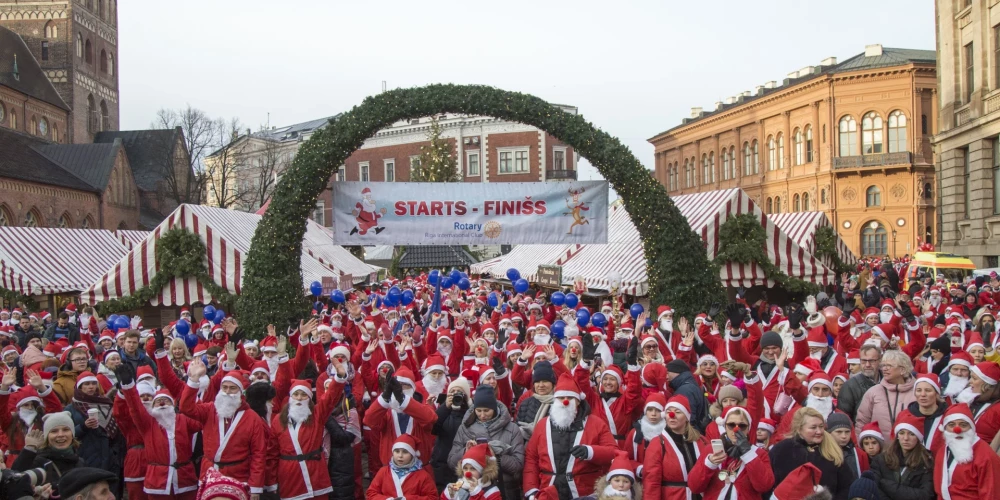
pixel 88 52
pixel 91 114
pixel 725 165
pixel 874 241
pixel 506 162
pixel 111 64
pixel 319 213
pixel 781 151
pixel 809 144
pixel 13 119
pixel 732 162
pixel 777 205
pixel 472 164
pixel 996 57
pixel 521 161
pixel 769 205
pixel 34 126
pixel 64 221
pixel 104 61
pixel 772 159
pixel 805 202
pixel 796 203
pixel 341 174
pixel 822 196
pixel 45 50
pixel 756 158
pixel 105 118
pixel 799 156
pixel 897 132
pixel 967 191
pixel 3 112
pixel 79 45
pixel 87 223
pixel 677 176
pixel 30 219
pixel 705 170
pixel 55 133
pixel 970 72
pixel 390 170
pixel 5 218
pixel 364 171
pixel 848 136
pixel 873 197
pixel 746 159
pixel 100 8
pixel 43 127
pixel 51 30
pixel 996 178
pixel 871 133
pixel 558 159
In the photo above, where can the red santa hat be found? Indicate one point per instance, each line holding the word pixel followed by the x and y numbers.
pixel 887 303
pixel 930 379
pixel 870 312
pixel 884 330
pixel 621 466
pixel 820 377
pixel 654 375
pixel 817 337
pixel 71 307
pixel 143 373
pixel 235 377
pixel 738 409
pixel 24 396
pixel 627 325
pixel 987 371
pixel 678 403
pixel 106 335
pixel 269 344
pixel 802 482
pixel 10 348
pixel 163 393
pixel 483 372
pixel 960 411
pixel 478 457
pixel 906 420
pixel 708 357
pixel 960 358
pixel 51 350
pixel 85 377
pixel 646 339
pixel 513 348
pixel 340 350
pixel 656 400
pixel 615 372
pixel 488 327
pixel 871 430
pixel 566 387
pixel 767 424
pixel 854 357
pixel 973 339
pixel 260 366
pixel 663 311
pixel 301 385
pixel 543 324
pixel 842 376
pixel 408 443
pixel 953 322
pixel 807 367
pixel 185 310
pixel 405 376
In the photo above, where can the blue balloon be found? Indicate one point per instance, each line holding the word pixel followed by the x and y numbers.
pixel 558 328
pixel 316 288
pixel 208 312
pixel 493 299
pixel 219 316
pixel 390 300
pixel 455 275
pixel 521 285
pixel 111 320
pixel 557 299
pixel 183 327
pixel 395 294
pixel 464 275
pixel 407 298
pixel 337 296
pixel 649 323
pixel 582 318
pixel 445 283
pixel 191 341
pixel 122 322
pixel 599 320
pixel 464 284
pixel 572 300
pixel 432 277
pixel 636 310
pixel 513 274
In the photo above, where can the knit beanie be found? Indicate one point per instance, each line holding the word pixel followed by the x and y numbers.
pixel 730 391
pixel 864 487
pixel 53 420
pixel 461 383
pixel 677 366
pixel 485 398
pixel 771 339
pixel 543 372
pixel 942 343
pixel 837 420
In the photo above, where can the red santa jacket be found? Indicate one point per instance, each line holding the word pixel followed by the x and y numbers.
pixel 383 419
pixel 135 457
pixel 664 475
pixel 169 470
pixel 975 480
pixel 417 485
pixel 237 447
pixel 15 443
pixel 752 472
pixel 772 384
pixel 539 464
pixel 987 419
pixel 621 412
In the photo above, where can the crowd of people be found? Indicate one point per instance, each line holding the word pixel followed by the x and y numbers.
pixel 876 390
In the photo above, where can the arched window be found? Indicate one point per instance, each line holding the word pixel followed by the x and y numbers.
pixel 694 172
pixel 796 204
pixel 732 162
pixel 927 191
pixel 805 202
pixel 104 61
pixel 105 118
pixel 31 219
pixel 51 30
pixel 704 169
pixel 848 136
pixel 710 169
pixel 781 150
pixel 65 221
pixel 88 52
pixel 13 119
pixel 6 219
pixel 747 168
pixel 777 205
pixel 87 223
pixel 91 114
pixel 687 176
pixel 873 197
pixel 772 159
pixel 100 8
pixel 822 196
pixel 871 133
pixel 809 144
pixel 769 205
pixel 111 64
pixel 677 175
pixel 897 132
pixel 55 133
pixel 79 45
pixel 756 158
pixel 43 127
pixel 725 164
pixel 34 126
pixel 799 156
pixel 874 241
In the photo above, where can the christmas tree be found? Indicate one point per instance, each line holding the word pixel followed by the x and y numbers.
pixel 437 163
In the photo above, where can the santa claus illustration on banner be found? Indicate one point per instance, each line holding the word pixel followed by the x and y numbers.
pixel 366 213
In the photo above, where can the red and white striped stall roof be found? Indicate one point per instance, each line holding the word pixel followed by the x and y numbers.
pixel 41 261
pixel 226 235
pixel 484 266
pixel 527 258
pixel 131 238
pixel 801 227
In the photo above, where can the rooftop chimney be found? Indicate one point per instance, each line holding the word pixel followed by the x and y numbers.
pixel 829 61
pixel 793 75
pixel 770 84
pixel 808 70
pixel 873 50
pixel 746 93
pixel 695 112
pixel 758 90
pixel 718 105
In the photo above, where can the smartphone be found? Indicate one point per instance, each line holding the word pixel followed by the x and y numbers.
pixel 716 445
pixel 482 440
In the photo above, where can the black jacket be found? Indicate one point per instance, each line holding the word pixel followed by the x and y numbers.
pixel 448 422
pixel 341 461
pixel 72 332
pixel 55 466
pixel 852 391
pixel 791 453
pixel 685 385
pixel 913 484
pixel 96 450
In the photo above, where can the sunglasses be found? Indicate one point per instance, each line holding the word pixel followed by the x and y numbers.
pixel 734 425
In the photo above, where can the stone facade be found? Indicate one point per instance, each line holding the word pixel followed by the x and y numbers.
pixel 809 169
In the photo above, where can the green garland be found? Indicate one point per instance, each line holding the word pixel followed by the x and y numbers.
pixel 678 269
pixel 180 254
pixel 742 239
pixel 826 248
pixel 26 302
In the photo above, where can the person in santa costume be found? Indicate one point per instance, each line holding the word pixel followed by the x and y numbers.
pixel 740 470
pixel 983 397
pixel 955 378
pixel 234 436
pixel 819 398
pixel 906 470
pixel 647 428
pixel 616 407
pixel 166 438
pixel 619 483
pixel 452 345
pixel 400 410
pixel 478 474
pixel 966 468
pixel 405 478
pixel 568 450
pixel 672 455
pixel 928 409
pixel 21 411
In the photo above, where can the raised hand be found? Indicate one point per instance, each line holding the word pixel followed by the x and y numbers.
pixel 231 352
pixel 779 362
pixel 714 310
pixel 528 353
pixel 35 380
pixel 795 316
pixel 848 308
pixel 230 325
pixel 34 438
pixel 9 379
pixel 741 292
pixel 735 313
pixel 282 345
pixel 682 324
pixel 158 339
pixel 371 347
pixel 550 353
pixel 589 349
pixel 196 369
pixel 640 322
pixel 125 375
pixel 688 338
pixel 498 366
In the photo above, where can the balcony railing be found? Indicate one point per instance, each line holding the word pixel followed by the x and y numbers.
pixel 560 174
pixel 878 160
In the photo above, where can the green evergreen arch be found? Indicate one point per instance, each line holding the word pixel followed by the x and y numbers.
pixel 680 273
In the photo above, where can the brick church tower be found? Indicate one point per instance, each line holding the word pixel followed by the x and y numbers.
pixel 76 44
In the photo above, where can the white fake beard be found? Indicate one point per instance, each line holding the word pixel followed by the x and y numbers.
pixel 299 411
pixel 542 339
pixel 27 415
pixel 960 445
pixel 338 336
pixel 967 396
pixel 935 301
pixel 444 350
pixel 818 355
pixel 955 386
pixel 823 405
pixel 434 387
pixel 650 431
pixel 610 491
pixel 165 416
pixel 666 325
pixel 885 317
pixel 226 404
pixel 563 415
pixel 272 365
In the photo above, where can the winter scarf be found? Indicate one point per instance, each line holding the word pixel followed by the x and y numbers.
pixel 401 472
pixel 104 405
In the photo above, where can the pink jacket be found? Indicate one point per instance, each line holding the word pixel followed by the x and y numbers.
pixel 883 403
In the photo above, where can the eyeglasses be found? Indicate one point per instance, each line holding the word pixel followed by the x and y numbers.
pixel 734 425
pixel 649 348
pixel 868 361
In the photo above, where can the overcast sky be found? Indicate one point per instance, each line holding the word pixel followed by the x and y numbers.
pixel 633 68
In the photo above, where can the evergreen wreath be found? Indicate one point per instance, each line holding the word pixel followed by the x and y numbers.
pixel 742 239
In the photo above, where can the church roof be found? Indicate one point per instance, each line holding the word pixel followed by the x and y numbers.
pixel 23 159
pixel 150 153
pixel 91 162
pixel 29 78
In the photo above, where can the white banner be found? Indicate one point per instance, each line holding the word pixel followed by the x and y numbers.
pixel 507 213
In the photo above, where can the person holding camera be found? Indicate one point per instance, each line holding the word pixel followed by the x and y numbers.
pixel 739 469
pixel 450 414
pixel 490 422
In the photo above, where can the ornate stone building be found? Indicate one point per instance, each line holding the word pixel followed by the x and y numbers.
pixel 851 139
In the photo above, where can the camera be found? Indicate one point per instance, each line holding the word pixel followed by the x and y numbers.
pixel 458 400
pixel 17 485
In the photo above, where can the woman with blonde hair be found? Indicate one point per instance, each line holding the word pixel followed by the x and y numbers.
pixel 179 357
pixel 671 456
pixel 740 469
pixel 808 442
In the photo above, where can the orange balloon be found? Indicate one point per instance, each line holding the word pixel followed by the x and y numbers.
pixel 832 317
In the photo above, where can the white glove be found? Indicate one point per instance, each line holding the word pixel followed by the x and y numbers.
pixel 135 321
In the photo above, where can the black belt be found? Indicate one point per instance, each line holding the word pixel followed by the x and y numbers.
pixel 14 452
pixel 312 455
pixel 618 437
pixel 674 484
pixel 227 464
pixel 567 475
pixel 176 465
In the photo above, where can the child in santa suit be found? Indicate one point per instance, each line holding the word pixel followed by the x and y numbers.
pixel 966 468
pixel 478 471
pixel 405 478
pixel 647 428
